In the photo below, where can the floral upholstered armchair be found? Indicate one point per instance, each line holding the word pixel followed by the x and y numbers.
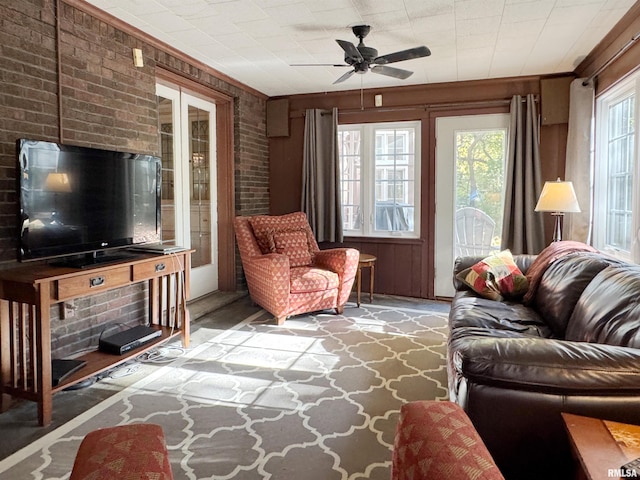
pixel 287 274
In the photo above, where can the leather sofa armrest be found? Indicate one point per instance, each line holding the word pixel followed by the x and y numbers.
pixel 547 365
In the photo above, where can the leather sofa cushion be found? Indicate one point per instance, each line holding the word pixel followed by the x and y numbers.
pixel 470 310
pixel 561 286
pixel 545 365
pixel 546 257
pixel 608 311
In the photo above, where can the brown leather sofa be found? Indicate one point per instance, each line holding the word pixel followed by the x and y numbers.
pixel 574 347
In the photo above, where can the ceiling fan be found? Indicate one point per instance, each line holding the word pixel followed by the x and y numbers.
pixel 364 59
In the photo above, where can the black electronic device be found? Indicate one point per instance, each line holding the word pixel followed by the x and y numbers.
pixel 122 342
pixel 63 368
pixel 85 201
pixel 632 468
pixel 159 248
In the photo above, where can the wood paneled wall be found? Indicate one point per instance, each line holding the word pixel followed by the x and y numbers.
pixel 404 266
pixel 608 56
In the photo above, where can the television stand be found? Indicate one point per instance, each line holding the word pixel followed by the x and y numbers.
pixel 28 292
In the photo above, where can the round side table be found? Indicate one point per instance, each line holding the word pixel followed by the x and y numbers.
pixel 365 261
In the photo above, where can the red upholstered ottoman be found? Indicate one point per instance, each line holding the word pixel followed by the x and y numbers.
pixel 436 440
pixel 126 452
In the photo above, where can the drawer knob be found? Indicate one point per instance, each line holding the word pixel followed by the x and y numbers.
pixel 160 267
pixel 96 281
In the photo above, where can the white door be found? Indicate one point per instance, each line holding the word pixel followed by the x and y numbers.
pixel 189 206
pixel 470 157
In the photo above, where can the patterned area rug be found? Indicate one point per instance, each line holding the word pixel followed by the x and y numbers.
pixel 317 398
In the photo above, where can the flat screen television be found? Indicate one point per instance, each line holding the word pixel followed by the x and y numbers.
pixel 85 201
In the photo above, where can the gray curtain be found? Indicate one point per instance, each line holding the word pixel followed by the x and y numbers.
pixel 523 228
pixel 579 164
pixel 321 175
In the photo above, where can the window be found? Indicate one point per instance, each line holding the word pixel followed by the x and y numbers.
pixel 380 179
pixel 616 160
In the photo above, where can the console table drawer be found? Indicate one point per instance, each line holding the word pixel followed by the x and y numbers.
pixel 93 282
pixel 158 267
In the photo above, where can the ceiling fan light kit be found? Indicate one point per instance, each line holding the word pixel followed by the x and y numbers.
pixel 364 59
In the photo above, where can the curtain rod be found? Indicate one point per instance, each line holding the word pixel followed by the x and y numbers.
pixel 615 56
pixel 479 103
pixel 424 107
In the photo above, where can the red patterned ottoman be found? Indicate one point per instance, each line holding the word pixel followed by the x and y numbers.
pixel 126 452
pixel 436 440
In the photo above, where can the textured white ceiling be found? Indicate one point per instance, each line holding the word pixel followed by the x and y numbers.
pixel 256 41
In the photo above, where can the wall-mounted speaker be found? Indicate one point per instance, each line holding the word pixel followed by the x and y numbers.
pixel 554 99
pixel 278 118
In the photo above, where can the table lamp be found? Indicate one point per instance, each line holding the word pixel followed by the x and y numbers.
pixel 56 183
pixel 558 198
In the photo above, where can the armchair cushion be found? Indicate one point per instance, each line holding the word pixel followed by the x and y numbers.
pixel 309 279
pixel 265 226
pixel 292 243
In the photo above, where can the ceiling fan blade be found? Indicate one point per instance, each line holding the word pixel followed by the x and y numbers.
pixel 319 65
pixel 402 55
pixel 351 50
pixel 345 76
pixel 391 72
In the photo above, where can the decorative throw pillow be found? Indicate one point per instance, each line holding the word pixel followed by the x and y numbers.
pixel 294 244
pixel 263 227
pixel 496 277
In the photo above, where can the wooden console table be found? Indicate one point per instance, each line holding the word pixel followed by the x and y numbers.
pixel 601 447
pixel 28 292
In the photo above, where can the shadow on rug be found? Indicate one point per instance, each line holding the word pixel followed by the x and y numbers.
pixel 317 398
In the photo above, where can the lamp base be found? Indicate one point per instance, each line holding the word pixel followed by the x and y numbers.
pixel 557 228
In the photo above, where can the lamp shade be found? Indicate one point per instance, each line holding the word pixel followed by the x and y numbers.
pixel 57 182
pixel 559 197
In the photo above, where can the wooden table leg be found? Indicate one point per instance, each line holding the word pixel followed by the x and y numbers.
pixel 43 362
pixel 358 280
pixel 5 359
pixel 372 272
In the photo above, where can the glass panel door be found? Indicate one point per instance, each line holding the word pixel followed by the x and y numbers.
pixel 470 158
pixel 189 214
pixel 168 141
pixel 199 185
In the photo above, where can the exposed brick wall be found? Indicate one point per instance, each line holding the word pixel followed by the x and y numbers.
pixel 252 167
pixel 106 102
pixel 94 316
pixel 28 97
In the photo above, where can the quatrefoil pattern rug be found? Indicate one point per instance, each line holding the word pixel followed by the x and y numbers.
pixel 316 399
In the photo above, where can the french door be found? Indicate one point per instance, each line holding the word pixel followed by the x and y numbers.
pixel 189 206
pixel 470 163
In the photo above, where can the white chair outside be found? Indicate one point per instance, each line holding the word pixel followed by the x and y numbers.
pixel 474 232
